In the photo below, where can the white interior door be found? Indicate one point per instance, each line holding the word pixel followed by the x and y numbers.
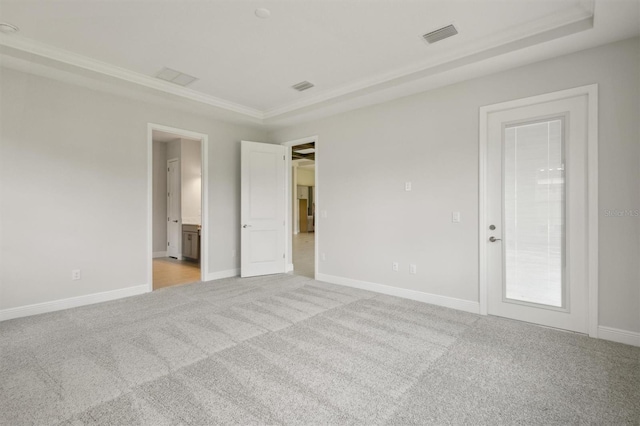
pixel 174 218
pixel 537 256
pixel 262 216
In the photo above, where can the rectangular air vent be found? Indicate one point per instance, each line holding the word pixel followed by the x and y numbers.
pixel 440 34
pixel 176 77
pixel 302 86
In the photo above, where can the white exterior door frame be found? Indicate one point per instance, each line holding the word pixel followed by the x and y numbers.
pixel 591 92
pixel 204 249
pixel 316 200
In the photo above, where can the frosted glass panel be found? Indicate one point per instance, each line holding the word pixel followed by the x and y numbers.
pixel 534 191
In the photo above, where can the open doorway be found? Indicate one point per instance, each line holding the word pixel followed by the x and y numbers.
pixel 303 212
pixel 177 207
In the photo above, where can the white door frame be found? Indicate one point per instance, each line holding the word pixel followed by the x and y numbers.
pixel 204 249
pixel 289 195
pixel 591 92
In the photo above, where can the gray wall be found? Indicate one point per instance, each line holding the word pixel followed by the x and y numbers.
pixel 431 139
pixel 73 170
pixel 159 197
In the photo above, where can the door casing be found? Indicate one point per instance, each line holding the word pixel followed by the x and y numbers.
pixel 591 92
pixel 289 199
pixel 204 254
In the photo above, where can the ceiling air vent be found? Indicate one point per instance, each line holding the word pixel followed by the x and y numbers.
pixel 302 86
pixel 440 34
pixel 176 77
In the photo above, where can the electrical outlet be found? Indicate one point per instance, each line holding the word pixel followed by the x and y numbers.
pixel 407 186
pixel 323 256
pixel 395 266
pixel 412 269
pixel 323 214
pixel 455 217
pixel 75 274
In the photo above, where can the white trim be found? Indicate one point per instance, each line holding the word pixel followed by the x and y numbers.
pixel 591 91
pixel 84 62
pixel 592 206
pixel 159 254
pixel 316 200
pixel 229 273
pixel 621 336
pixel 546 29
pixel 204 233
pixel 289 267
pixel 433 299
pixel 72 302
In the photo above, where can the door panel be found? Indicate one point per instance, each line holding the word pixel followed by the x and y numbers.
pixel 173 209
pixel 536 211
pixel 262 209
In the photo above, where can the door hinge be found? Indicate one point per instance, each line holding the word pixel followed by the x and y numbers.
pixel 168 219
pixel 168 243
pixel 284 157
pixel 283 255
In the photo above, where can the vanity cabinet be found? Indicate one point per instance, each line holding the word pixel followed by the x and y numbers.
pixel 191 241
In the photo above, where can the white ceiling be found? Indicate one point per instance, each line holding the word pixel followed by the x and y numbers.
pixel 349 49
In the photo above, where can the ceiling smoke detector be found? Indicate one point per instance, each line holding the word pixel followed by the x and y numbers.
pixel 302 86
pixel 440 34
pixel 175 77
pixel 8 28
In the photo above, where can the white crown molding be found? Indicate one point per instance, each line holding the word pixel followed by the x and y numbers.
pixel 545 29
pixel 80 61
pixel 572 20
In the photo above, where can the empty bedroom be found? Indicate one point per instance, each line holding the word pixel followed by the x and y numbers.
pixel 317 212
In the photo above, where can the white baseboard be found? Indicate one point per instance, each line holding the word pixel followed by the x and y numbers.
pixel 159 254
pixel 289 267
pixel 621 336
pixel 222 274
pixel 434 299
pixel 72 302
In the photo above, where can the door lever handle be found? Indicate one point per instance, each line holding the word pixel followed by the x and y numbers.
pixel 494 239
pixel 246 226
pixel 175 221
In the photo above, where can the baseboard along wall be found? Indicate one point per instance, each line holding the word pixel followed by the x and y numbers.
pixel 434 299
pixel 72 302
pixel 606 333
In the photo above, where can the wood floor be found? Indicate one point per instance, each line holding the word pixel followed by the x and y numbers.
pixel 168 272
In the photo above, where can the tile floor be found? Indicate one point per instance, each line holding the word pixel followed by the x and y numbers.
pixel 304 254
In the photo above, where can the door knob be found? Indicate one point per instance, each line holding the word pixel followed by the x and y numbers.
pixel 246 226
pixel 494 239
pixel 176 221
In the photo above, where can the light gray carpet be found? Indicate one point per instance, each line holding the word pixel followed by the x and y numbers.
pixel 290 350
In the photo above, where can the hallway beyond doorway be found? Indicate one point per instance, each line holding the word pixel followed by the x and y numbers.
pixel 303 254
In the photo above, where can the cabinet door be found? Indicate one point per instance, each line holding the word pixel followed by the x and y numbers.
pixel 303 192
pixel 195 249
pixel 186 244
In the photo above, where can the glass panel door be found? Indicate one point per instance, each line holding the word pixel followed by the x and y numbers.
pixel 534 213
